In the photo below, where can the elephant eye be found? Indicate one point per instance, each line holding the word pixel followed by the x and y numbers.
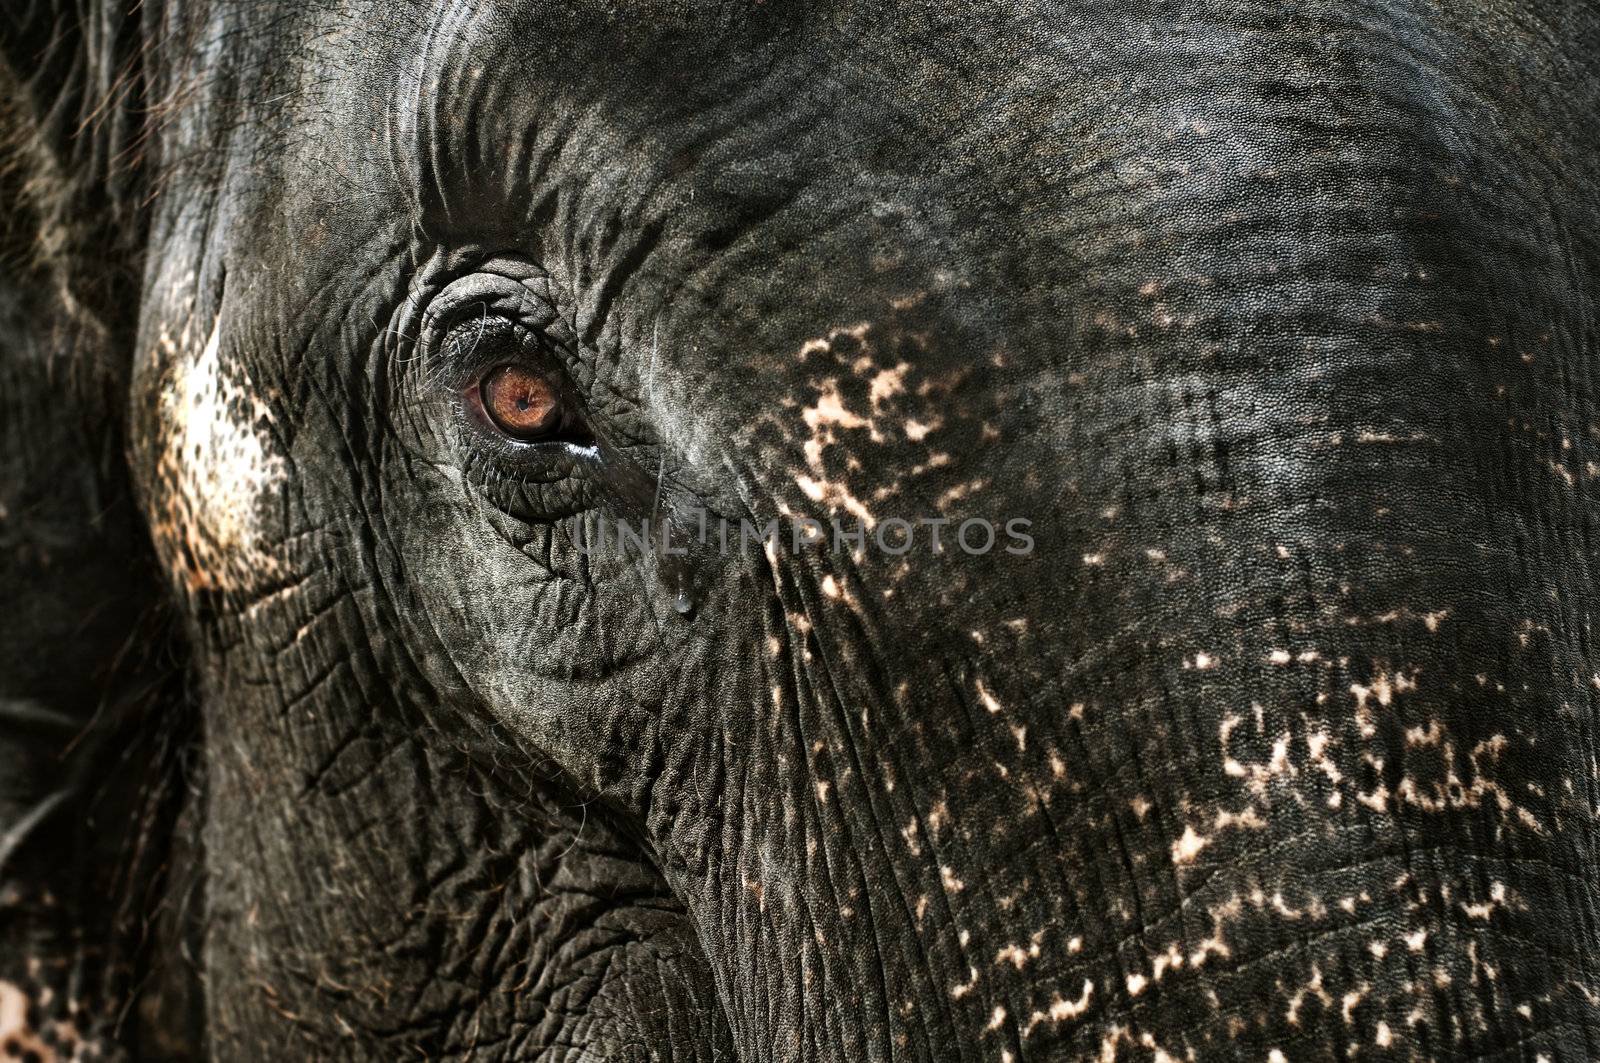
pixel 521 403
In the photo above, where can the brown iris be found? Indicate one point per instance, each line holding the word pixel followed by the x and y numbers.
pixel 520 402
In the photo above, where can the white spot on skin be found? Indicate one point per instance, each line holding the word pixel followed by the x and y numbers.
pixel 858 332
pixel 1260 775
pixel 952 884
pixel 824 419
pixel 1191 842
pixel 1312 988
pixel 989 701
pixel 1136 984
pixel 910 833
pixel 1382 691
pixel 1348 1005
pixel 1497 896
pixel 15 1030
pixel 885 385
pixel 828 416
pixel 958 492
pixel 1214 945
pixel 835 494
pixel 1061 1010
pixel 1317 745
pixel 1281 906
pixel 1013 955
pixel 216 470
pixel 1187 847
pixel 829 411
pixel 1172 959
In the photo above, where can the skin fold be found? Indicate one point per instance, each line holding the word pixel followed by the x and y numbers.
pixel 321 737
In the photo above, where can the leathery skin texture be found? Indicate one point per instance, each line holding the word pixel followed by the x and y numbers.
pixel 323 736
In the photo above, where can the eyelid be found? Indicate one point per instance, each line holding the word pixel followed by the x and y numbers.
pixel 522 309
pixel 471 349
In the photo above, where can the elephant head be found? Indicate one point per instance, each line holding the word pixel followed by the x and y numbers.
pixel 1106 495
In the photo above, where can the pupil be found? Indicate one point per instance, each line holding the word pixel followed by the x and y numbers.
pixel 521 403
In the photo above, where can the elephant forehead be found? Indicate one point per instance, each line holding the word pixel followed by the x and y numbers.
pixel 217 469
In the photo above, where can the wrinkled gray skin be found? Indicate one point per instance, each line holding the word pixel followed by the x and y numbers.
pixel 1278 321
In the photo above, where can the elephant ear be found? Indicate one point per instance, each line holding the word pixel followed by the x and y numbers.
pixel 91 708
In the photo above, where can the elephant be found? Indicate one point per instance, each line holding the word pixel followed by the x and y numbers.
pixel 1105 498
